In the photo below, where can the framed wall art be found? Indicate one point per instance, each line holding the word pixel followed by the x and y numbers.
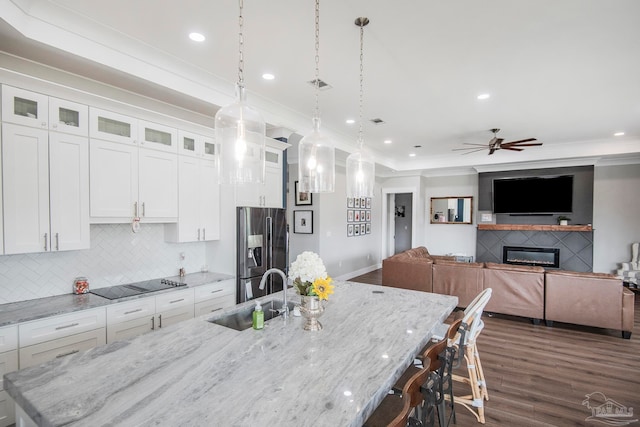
pixel 303 199
pixel 303 222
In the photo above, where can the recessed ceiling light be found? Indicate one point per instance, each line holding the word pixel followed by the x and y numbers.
pixel 484 96
pixel 350 121
pixel 196 37
pixel 387 141
pixel 618 134
pixel 268 76
pixel 412 155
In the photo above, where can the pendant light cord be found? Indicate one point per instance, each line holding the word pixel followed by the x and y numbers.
pixel 240 46
pixel 317 81
pixel 360 132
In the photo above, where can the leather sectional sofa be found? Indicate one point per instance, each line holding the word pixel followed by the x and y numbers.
pixel 589 299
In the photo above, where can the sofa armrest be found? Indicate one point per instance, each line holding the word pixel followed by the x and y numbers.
pixel 628 310
pixel 411 273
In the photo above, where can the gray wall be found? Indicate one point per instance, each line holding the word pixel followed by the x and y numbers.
pixel 582 194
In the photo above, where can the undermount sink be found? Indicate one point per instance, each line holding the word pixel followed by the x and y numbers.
pixel 243 319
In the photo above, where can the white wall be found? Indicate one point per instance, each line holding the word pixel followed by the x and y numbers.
pixel 443 239
pixel 616 215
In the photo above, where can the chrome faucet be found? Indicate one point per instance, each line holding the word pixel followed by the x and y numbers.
pixel 263 281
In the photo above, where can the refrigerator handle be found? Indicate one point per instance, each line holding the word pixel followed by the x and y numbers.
pixel 269 233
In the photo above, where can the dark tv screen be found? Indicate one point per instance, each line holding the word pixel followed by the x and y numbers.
pixel 533 195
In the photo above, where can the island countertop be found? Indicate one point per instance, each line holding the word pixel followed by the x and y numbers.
pixel 199 373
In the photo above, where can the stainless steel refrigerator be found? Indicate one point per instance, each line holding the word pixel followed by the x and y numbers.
pixel 262 243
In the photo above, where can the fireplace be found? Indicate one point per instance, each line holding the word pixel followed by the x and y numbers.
pixel 542 257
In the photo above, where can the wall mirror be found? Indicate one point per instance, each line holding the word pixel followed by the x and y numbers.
pixel 451 210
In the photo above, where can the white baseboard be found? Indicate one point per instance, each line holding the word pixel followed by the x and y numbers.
pixel 359 272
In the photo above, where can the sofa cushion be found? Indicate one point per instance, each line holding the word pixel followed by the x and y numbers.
pixel 460 279
pixel 517 290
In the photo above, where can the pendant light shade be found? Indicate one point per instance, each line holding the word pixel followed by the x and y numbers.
pixel 361 173
pixel 316 152
pixel 240 132
pixel 316 162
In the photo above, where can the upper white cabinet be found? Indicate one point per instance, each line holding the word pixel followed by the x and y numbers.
pixel 45 190
pixel 270 193
pixel 33 109
pixel 158 137
pixel 24 107
pixel 198 202
pixel 131 180
pixel 110 126
pixel 194 145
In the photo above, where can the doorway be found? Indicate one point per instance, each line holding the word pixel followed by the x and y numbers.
pixel 403 221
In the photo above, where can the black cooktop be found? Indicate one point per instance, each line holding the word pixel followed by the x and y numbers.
pixel 138 288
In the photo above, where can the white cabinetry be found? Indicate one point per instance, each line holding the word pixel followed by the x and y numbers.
pixel 131 180
pixel 26 108
pixel 59 336
pixel 132 318
pixel 215 296
pixel 198 202
pixel 270 193
pixel 8 363
pixel 46 194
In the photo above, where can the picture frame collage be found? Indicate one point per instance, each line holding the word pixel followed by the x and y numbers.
pixel 358 216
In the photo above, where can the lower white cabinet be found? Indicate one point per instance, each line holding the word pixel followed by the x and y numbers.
pixel 132 318
pixel 39 353
pixel 7 410
pixel 8 363
pixel 215 296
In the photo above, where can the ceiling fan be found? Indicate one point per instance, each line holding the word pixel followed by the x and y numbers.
pixel 496 144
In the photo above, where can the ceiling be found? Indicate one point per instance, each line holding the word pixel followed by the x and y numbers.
pixel 562 71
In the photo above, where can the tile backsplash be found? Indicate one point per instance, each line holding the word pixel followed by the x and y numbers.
pixel 116 256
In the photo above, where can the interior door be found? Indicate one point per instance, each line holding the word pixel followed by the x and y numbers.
pixel 403 216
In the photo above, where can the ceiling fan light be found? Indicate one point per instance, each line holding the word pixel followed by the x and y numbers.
pixel 316 162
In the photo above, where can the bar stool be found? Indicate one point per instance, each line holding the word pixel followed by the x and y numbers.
pixel 395 409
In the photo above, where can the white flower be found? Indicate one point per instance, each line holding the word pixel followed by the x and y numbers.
pixel 308 266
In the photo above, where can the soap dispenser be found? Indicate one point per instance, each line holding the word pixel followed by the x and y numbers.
pixel 258 316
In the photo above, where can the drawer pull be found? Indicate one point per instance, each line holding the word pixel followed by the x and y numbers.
pixel 216 309
pixel 132 311
pixel 160 320
pixel 217 290
pixel 67 326
pixel 67 354
pixel 175 301
pixel 153 323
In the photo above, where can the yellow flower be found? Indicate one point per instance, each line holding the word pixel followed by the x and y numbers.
pixel 323 287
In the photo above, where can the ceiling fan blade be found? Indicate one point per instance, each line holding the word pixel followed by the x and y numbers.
pixel 474 151
pixel 511 148
pixel 521 140
pixel 478 145
pixel 521 145
pixel 470 149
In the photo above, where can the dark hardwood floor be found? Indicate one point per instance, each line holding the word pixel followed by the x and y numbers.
pixel 539 376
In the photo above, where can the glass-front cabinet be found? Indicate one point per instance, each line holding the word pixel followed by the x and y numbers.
pixel 157 137
pixel 24 107
pixel 68 117
pixel 192 144
pixel 110 126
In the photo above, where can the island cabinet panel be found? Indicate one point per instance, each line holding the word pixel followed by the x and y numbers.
pixel 7 410
pixel 39 353
pixel 214 297
pixel 8 363
pixel 8 338
pixel 51 328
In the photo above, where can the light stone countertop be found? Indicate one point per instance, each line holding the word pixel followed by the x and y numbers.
pixel 196 373
pixel 24 311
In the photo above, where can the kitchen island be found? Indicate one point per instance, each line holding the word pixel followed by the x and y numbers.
pixel 199 373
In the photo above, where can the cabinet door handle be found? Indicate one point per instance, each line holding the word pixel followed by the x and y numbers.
pixel 159 321
pixel 67 326
pixel 217 290
pixel 176 300
pixel 204 235
pixel 57 241
pixel 153 323
pixel 44 124
pixel 216 309
pixel 143 210
pixel 132 311
pixel 198 234
pixel 45 242
pixel 67 354
pixel 135 209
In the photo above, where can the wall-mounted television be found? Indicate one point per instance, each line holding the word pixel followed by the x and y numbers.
pixel 533 195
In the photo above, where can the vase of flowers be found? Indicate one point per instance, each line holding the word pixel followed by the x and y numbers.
pixel 312 283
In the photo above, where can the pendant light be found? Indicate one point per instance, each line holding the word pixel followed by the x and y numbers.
pixel 360 164
pixel 316 152
pixel 240 132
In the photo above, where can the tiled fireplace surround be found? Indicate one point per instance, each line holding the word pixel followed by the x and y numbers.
pixel 575 244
